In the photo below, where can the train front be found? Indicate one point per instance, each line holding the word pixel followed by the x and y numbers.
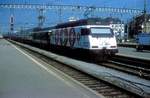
pixel 102 41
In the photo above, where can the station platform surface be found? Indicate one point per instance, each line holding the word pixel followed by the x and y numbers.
pixel 23 77
pixel 133 53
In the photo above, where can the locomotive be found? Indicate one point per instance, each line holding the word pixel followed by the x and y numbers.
pixel 90 36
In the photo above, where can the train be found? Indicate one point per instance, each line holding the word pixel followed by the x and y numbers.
pixel 89 36
pixel 143 41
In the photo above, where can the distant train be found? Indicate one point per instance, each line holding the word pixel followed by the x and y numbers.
pixel 86 35
pixel 143 41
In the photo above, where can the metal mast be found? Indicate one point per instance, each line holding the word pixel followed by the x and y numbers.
pixel 41 17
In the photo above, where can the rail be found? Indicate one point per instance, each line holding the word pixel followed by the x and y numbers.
pixel 135 66
pixel 100 86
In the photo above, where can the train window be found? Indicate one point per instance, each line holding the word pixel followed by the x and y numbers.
pixel 85 31
pixel 101 31
pixel 43 35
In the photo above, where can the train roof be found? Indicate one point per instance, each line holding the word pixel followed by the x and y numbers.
pixel 37 29
pixel 89 21
pixel 31 30
pixel 48 28
pixel 81 22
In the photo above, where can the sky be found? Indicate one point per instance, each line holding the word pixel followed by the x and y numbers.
pixel 28 18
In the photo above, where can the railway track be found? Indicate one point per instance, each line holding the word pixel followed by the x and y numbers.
pixel 133 66
pixel 106 89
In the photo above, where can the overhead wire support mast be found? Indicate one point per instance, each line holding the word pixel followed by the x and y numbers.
pixel 41 17
pixel 145 17
pixel 70 7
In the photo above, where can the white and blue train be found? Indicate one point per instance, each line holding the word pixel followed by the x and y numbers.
pixel 86 35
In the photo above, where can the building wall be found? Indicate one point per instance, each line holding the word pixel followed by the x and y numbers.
pixel 119 30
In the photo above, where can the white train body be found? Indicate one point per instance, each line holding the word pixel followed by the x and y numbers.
pixel 94 40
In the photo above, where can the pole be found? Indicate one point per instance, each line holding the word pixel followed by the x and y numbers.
pixel 144 16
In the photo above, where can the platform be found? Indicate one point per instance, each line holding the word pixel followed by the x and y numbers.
pixel 21 76
pixel 133 53
pixel 129 82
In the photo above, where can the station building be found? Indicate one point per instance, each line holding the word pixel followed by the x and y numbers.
pixel 136 25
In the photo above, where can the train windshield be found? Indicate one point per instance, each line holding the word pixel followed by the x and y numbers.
pixel 101 31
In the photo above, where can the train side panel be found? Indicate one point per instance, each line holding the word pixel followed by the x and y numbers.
pixel 143 41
